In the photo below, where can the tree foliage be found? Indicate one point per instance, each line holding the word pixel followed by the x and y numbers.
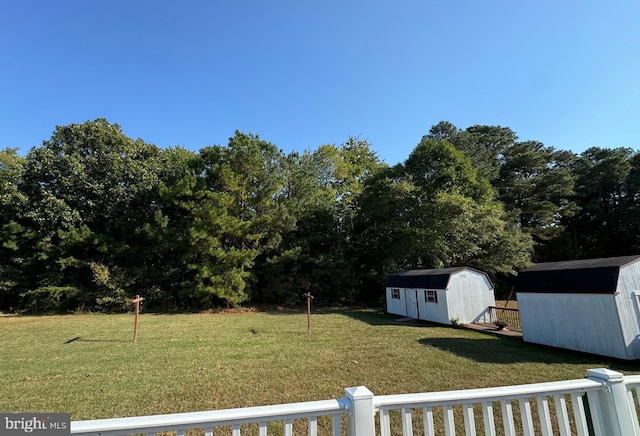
pixel 537 188
pixel 606 190
pixel 91 218
pixel 483 145
pixel 434 211
pixel 90 191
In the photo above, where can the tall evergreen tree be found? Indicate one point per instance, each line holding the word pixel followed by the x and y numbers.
pixel 537 187
pixel 608 203
pixel 13 233
pixel 240 214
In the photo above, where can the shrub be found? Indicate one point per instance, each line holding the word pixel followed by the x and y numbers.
pixel 52 299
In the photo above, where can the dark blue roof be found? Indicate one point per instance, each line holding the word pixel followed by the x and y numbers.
pixel 590 276
pixel 425 278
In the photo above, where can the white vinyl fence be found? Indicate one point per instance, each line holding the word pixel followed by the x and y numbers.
pixel 604 403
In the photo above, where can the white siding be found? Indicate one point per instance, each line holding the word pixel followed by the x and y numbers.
pixel 469 297
pixel 435 312
pixel 581 322
pixel 395 305
pixel 467 300
pixel 628 305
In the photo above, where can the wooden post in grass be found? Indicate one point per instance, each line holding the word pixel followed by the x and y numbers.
pixel 137 300
pixel 309 297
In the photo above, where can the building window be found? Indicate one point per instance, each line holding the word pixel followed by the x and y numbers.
pixel 431 296
pixel 395 294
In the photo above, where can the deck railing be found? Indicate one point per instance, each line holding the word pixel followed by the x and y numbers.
pixel 512 316
pixel 261 418
pixel 604 403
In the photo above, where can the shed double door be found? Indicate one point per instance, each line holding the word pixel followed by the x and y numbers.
pixel 411 299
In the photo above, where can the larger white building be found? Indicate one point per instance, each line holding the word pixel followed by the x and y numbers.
pixel 584 305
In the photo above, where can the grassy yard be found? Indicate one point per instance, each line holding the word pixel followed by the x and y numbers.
pixel 88 366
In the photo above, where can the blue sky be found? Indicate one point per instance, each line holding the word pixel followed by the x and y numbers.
pixel 305 73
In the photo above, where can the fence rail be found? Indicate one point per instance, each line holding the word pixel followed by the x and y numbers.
pixel 531 400
pixel 210 420
pixel 512 316
pixel 602 404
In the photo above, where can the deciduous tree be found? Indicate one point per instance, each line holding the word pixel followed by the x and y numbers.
pixel 433 212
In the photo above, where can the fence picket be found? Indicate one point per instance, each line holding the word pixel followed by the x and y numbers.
pixel 313 426
pixel 631 390
pixel 288 427
pixel 469 421
pixel 525 415
pixel 579 415
pixel 507 418
pixel 427 418
pixel 385 425
pixel 407 423
pixel 545 416
pixel 337 426
pixel 449 421
pixel 561 414
pixel 596 412
pixel 488 419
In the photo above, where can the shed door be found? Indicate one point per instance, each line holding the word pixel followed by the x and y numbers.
pixel 412 303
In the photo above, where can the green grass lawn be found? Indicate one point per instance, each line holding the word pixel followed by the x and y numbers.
pixel 87 365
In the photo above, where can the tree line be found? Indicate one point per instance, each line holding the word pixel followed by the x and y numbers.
pixel 91 217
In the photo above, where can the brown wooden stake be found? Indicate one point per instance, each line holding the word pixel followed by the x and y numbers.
pixel 509 297
pixel 135 325
pixel 309 297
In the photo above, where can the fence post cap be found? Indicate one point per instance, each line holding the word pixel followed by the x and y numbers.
pixel 358 393
pixel 605 374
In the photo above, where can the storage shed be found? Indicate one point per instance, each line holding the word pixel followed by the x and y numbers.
pixel 441 295
pixel 583 305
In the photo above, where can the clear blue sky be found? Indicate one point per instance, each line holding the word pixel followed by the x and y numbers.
pixel 305 73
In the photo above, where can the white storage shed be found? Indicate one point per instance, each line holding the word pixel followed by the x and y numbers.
pixel 584 305
pixel 441 295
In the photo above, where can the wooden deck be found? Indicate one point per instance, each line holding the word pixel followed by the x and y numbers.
pixel 489 327
pixel 513 332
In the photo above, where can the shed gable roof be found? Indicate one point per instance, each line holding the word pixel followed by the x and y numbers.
pixel 589 276
pixel 425 278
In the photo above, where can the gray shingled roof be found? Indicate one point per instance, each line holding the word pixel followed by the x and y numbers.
pixel 425 278
pixel 590 276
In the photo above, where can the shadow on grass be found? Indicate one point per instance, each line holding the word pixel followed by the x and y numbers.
pixel 500 350
pixel 80 339
pixel 508 351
